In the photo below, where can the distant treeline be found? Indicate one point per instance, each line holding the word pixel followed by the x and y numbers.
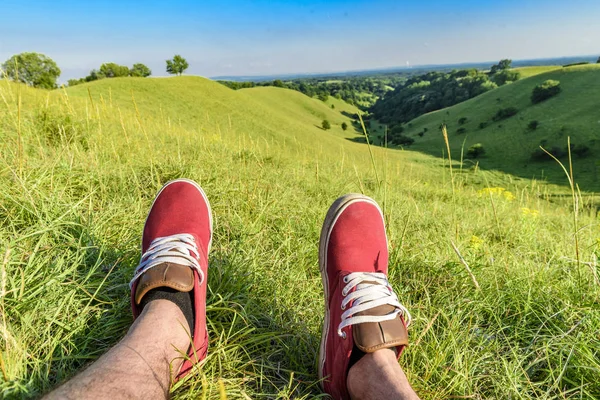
pixel 436 90
pixel 359 91
pixel 113 70
pixel 175 66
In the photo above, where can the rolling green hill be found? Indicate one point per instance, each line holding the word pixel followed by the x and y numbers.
pixel 515 315
pixel 510 143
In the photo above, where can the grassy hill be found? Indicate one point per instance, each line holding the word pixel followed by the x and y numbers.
pixel 81 166
pixel 510 143
pixel 526 72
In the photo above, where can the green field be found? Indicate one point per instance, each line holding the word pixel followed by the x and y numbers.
pixel 510 143
pixel 526 72
pixel 79 169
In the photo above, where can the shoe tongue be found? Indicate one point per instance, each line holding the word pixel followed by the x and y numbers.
pixel 372 336
pixel 175 276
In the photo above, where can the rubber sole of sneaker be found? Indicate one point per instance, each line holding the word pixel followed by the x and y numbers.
pixel 333 214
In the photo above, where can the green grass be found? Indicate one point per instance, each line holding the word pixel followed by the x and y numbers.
pixel 509 143
pixel 527 72
pixel 80 169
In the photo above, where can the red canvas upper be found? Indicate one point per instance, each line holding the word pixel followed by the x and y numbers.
pixel 357 243
pixel 180 207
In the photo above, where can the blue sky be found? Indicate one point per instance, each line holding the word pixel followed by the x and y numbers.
pixel 277 37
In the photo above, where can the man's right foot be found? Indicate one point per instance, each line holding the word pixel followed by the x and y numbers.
pixel 362 312
pixel 175 245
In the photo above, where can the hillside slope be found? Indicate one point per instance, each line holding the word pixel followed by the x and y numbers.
pixel 205 105
pixel 514 316
pixel 509 143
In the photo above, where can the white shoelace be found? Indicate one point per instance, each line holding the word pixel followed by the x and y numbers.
pixel 372 290
pixel 175 249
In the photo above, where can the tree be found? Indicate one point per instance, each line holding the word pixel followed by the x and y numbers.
pixel 476 150
pixel 325 124
pixel 344 126
pixel 598 62
pixel 278 83
pixel 113 70
pixel 177 65
pixel 94 76
pixel 34 69
pixel 505 76
pixel 140 70
pixel 533 125
pixel 501 66
pixel 544 91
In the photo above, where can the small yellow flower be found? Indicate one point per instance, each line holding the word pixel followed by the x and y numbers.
pixel 498 191
pixel 508 195
pixel 530 212
pixel 476 242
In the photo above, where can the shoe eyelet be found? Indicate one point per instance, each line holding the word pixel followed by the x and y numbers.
pixel 343 307
pixel 343 335
pixel 345 279
pixel 344 293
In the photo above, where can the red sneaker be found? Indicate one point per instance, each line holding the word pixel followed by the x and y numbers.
pixel 361 309
pixel 175 245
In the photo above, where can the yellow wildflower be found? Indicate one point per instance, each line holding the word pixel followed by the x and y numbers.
pixel 529 211
pixel 499 191
pixel 476 242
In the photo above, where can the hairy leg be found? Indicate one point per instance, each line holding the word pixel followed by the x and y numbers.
pixel 378 376
pixel 141 364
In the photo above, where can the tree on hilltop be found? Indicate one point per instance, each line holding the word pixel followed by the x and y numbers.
pixel 177 65
pixel 113 70
pixel 501 66
pixel 34 69
pixel 140 70
pixel 598 62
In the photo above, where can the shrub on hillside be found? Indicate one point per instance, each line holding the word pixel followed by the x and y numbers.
pixel 421 134
pixel 461 130
pixel 396 130
pixel 533 125
pixel 581 150
pixel 140 70
pixel 425 129
pixel 544 91
pixel 504 113
pixel 506 76
pixel 402 140
pixel 344 126
pixel 483 125
pixel 462 120
pixel 476 150
pixel 325 124
pixel 540 155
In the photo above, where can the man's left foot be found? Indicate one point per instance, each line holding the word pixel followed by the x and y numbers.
pixel 175 245
pixel 362 312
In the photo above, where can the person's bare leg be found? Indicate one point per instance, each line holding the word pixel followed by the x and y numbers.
pixel 378 376
pixel 141 364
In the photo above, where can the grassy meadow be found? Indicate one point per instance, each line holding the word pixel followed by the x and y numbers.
pixel 509 143
pixel 515 315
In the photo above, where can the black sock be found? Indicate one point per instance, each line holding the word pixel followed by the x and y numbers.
pixel 183 300
pixel 355 356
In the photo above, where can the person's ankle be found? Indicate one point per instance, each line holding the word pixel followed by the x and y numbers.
pixel 378 374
